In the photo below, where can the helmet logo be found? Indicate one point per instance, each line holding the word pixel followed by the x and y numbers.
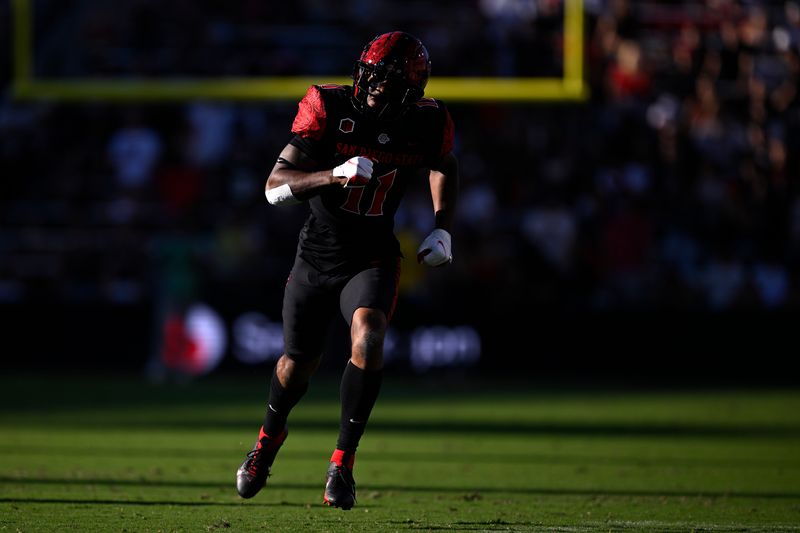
pixel 346 125
pixel 383 138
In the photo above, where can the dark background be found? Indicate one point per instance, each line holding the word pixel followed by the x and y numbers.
pixel 650 232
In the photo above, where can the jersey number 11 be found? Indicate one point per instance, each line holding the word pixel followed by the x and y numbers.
pixel 353 201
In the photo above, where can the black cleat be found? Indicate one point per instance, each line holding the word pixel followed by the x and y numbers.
pixel 252 475
pixel 340 488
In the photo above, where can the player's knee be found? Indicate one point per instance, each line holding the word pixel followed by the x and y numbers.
pixel 369 323
pixel 368 332
pixel 293 370
pixel 370 343
pixel 368 354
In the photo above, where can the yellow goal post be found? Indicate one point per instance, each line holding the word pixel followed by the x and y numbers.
pixel 25 86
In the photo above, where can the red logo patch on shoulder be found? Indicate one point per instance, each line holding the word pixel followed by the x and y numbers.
pixel 346 125
pixel 310 120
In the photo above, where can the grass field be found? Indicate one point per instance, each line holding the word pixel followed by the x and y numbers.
pixel 113 454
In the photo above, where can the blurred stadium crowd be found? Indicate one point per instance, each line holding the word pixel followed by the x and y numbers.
pixel 675 186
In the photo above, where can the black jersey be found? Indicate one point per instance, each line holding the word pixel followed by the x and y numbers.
pixel 348 227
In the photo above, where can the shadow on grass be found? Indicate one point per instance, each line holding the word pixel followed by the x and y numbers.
pixel 488 525
pixel 408 457
pixel 468 492
pixel 423 427
pixel 74 501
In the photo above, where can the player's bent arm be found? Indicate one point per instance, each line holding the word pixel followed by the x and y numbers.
pixel 444 191
pixel 294 178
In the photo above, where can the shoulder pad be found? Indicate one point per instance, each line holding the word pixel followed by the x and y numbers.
pixel 309 122
pixel 427 102
pixel 331 87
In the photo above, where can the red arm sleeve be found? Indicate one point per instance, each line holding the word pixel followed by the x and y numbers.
pixel 309 122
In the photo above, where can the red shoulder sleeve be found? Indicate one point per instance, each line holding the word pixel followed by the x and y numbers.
pixel 309 122
pixel 448 133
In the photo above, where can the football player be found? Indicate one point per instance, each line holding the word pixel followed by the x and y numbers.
pixel 355 151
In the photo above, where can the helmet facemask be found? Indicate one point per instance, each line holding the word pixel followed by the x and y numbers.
pixel 396 95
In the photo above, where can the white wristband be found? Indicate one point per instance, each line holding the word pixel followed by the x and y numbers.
pixel 281 195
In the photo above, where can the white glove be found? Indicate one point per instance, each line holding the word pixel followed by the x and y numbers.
pixel 357 170
pixel 436 249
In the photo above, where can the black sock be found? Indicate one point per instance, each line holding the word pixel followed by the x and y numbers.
pixel 281 402
pixel 358 392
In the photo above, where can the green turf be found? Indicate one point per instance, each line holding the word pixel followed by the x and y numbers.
pixel 111 454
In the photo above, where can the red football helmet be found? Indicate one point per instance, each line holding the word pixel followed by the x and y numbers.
pixel 399 61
